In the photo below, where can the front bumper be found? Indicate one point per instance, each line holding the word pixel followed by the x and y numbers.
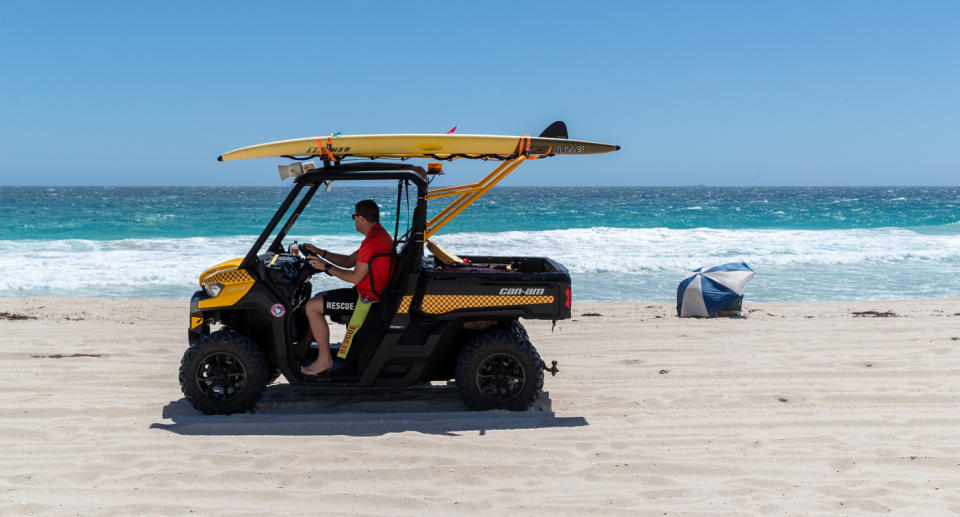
pixel 198 326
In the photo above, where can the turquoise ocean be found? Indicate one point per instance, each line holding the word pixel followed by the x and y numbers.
pixel 619 243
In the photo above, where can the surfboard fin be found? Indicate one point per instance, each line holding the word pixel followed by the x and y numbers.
pixel 556 130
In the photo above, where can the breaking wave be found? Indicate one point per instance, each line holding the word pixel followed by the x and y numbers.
pixel 606 263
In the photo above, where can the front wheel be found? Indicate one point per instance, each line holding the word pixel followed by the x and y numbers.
pixel 223 373
pixel 499 370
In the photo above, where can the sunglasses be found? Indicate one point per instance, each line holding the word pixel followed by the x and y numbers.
pixel 355 216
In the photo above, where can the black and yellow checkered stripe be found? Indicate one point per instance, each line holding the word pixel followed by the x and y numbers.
pixel 236 283
pixel 233 276
pixel 443 303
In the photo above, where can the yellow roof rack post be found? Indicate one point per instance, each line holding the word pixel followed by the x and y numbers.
pixel 468 194
pixel 464 191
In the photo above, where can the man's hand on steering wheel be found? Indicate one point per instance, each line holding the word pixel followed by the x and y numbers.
pixel 310 249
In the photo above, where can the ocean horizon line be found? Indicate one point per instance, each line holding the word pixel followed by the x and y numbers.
pixel 699 185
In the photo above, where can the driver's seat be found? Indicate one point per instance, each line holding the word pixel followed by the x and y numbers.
pixel 368 337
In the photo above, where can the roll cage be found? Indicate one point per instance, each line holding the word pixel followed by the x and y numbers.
pixel 312 180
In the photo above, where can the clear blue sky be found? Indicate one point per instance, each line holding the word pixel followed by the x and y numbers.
pixel 717 93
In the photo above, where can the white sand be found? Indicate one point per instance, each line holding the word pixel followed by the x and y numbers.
pixel 799 408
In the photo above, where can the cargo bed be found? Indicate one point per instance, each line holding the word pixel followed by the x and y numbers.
pixel 496 287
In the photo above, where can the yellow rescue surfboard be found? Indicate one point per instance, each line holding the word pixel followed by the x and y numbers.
pixel 551 142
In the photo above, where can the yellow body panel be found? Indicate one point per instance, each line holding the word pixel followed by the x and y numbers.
pixel 236 284
pixel 223 266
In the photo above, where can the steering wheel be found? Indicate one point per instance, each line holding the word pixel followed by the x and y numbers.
pixel 304 252
pixel 305 269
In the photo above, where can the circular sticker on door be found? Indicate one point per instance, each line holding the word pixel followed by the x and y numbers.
pixel 278 310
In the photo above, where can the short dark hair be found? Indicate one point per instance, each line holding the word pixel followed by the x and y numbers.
pixel 369 210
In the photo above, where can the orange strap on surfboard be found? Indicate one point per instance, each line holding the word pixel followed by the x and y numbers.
pixel 524 148
pixel 537 157
pixel 328 147
pixel 321 149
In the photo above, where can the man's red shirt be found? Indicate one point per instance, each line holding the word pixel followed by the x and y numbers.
pixel 377 241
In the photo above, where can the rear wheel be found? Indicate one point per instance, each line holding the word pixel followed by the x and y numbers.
pixel 223 373
pixel 517 329
pixel 499 370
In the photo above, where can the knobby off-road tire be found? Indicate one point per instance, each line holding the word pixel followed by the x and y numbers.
pixel 499 370
pixel 223 373
pixel 517 329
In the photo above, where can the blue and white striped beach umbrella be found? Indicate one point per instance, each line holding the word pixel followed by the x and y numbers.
pixel 709 289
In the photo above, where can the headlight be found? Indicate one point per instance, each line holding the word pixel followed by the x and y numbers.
pixel 213 289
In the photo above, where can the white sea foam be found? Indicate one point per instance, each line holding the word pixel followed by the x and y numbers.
pixel 661 249
pixel 606 263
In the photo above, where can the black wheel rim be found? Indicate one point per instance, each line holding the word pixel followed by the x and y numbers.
pixel 221 376
pixel 501 377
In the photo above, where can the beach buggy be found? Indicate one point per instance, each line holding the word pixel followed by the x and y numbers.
pixel 440 316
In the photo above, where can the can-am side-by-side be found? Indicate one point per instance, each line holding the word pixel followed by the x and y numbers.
pixel 439 317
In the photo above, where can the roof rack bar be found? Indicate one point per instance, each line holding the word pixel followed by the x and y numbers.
pixel 470 194
pixel 452 191
pixel 465 189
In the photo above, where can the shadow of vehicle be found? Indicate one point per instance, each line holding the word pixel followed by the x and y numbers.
pixel 287 410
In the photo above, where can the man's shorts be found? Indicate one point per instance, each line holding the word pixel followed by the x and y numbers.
pixel 338 303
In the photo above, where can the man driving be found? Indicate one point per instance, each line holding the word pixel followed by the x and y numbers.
pixel 355 269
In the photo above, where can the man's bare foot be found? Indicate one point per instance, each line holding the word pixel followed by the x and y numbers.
pixel 316 367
